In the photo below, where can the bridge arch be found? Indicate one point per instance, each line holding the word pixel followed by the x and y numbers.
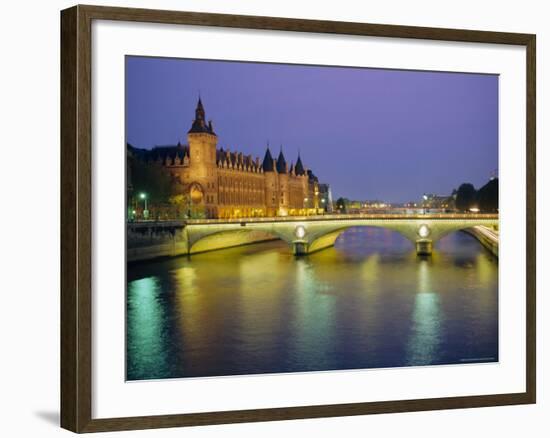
pixel 422 234
pixel 329 239
pixel 306 235
pixel 221 239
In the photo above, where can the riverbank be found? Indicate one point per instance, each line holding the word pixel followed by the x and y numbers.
pixel 154 240
pixel 486 236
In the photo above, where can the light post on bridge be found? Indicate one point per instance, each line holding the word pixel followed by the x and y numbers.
pixel 143 196
pixel 425 198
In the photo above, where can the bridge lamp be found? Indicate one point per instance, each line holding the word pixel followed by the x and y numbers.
pixel 143 196
pixel 423 231
pixel 300 232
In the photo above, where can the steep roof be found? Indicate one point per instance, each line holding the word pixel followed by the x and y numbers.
pixel 299 168
pixel 163 153
pixel 281 162
pixel 312 177
pixel 268 161
pixel 199 124
pixel 235 158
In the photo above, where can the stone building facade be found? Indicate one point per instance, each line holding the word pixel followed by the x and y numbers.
pixel 214 182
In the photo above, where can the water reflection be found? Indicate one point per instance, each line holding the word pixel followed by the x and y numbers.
pixel 145 322
pixel 426 320
pixel 367 302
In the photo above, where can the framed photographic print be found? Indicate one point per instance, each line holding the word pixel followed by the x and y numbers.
pixel 269 218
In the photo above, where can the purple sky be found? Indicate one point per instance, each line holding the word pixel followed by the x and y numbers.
pixel 370 133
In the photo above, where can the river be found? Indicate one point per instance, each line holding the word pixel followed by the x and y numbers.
pixel 368 302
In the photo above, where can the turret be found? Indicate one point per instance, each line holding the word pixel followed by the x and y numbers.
pixel 199 124
pixel 271 183
pixel 281 162
pixel 299 168
pixel 267 164
pixel 284 189
pixel 202 158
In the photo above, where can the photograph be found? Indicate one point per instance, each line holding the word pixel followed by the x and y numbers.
pixel 286 218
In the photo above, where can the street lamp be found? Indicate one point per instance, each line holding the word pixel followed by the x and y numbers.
pixel 300 232
pixel 423 231
pixel 425 197
pixel 143 196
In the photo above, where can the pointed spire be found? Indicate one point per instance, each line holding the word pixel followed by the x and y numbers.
pixel 199 111
pixel 267 164
pixel 199 124
pixel 299 168
pixel 281 162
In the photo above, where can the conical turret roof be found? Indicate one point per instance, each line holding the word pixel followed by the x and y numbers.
pixel 281 162
pixel 267 164
pixel 299 168
pixel 199 124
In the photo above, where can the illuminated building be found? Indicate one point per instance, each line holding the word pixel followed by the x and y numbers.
pixel 213 182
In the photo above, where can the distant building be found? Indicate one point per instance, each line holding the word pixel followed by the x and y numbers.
pixel 214 182
pixel 367 206
pixel 437 202
pixel 325 197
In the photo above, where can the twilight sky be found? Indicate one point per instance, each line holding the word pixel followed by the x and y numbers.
pixel 370 133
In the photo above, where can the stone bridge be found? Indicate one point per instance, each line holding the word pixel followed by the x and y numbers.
pixel 312 233
pixel 304 235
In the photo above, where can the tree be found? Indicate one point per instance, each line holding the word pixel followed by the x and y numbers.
pixel 341 205
pixel 487 196
pixel 150 178
pixel 466 197
pixel 179 203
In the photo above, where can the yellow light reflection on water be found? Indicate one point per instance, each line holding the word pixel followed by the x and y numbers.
pixel 185 278
pixel 368 302
pixel 314 319
pixel 426 320
pixel 370 271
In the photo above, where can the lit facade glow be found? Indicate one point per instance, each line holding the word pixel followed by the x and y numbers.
pixel 212 182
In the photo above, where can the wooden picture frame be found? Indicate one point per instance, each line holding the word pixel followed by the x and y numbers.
pixel 76 218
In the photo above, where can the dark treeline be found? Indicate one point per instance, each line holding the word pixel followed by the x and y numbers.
pixel 486 198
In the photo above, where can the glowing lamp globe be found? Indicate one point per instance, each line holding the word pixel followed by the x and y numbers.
pixel 300 231
pixel 423 231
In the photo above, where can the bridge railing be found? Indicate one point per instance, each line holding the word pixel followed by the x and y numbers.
pixel 357 216
pixel 325 217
